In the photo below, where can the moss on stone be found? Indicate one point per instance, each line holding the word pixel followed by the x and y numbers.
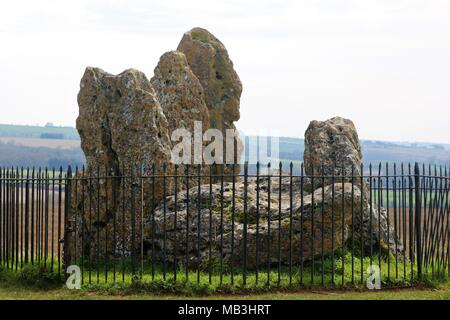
pixel 239 217
pixel 200 35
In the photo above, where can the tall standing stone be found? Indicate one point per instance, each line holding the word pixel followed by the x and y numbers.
pixel 209 60
pixel 120 121
pixel 181 96
pixel 123 129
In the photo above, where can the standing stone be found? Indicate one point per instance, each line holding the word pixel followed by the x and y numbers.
pixel 122 126
pixel 332 147
pixel 181 95
pixel 209 60
pixel 120 121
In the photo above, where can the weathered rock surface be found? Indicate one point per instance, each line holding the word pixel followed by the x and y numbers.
pixel 179 93
pixel 332 147
pixel 122 126
pixel 120 121
pixel 317 212
pixel 209 60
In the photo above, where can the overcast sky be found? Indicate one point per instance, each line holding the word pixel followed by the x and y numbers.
pixel 385 64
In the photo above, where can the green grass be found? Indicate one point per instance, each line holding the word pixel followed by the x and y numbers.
pixel 438 291
pixel 442 293
pixel 200 284
pixel 28 281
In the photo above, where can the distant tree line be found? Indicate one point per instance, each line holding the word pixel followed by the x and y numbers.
pixel 290 149
pixel 13 155
pixel 49 135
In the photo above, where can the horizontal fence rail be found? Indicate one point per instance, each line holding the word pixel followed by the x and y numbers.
pixel 203 224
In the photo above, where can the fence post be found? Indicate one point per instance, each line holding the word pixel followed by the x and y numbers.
pixel 67 207
pixel 244 274
pixel 133 183
pixel 418 219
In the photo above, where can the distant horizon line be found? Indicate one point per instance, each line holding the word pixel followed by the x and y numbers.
pixel 251 135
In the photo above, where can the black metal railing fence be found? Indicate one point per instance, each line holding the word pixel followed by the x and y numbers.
pixel 197 223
